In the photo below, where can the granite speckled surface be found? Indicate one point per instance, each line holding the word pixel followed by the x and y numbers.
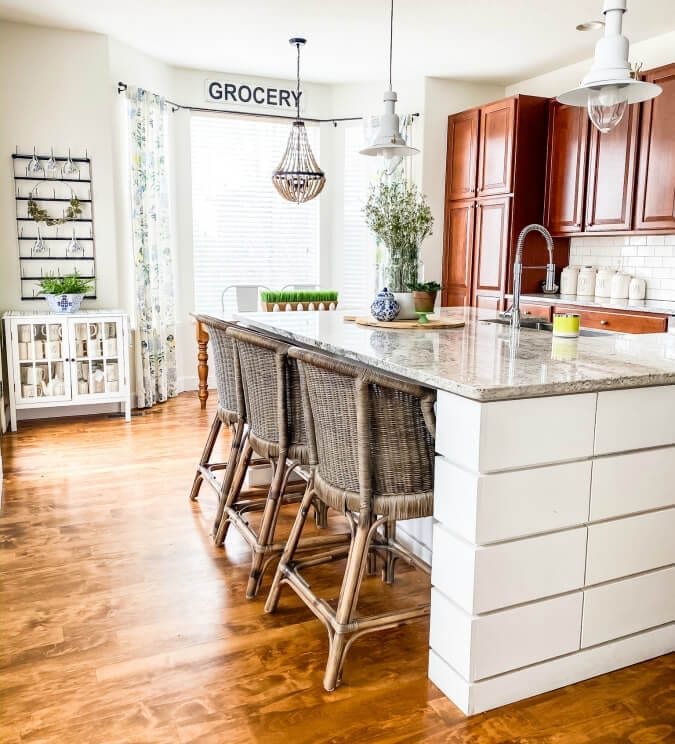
pixel 484 361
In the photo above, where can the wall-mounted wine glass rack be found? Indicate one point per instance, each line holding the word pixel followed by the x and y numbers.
pixel 56 250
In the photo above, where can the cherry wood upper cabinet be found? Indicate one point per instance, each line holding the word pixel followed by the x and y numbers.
pixel 458 252
pixel 611 175
pixel 460 177
pixel 655 202
pixel 495 164
pixel 491 246
pixel 566 168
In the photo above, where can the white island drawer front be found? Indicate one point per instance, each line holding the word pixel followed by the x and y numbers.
pixel 483 579
pixel 631 545
pixel 636 482
pixel 501 506
pixel 635 419
pixel 628 606
pixel 487 437
pixel 504 640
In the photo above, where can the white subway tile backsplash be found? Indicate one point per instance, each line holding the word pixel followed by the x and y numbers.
pixel 651 257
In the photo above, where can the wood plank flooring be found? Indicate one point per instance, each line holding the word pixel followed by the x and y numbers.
pixel 120 622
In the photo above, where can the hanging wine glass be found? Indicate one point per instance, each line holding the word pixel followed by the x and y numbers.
pixel 52 166
pixel 69 168
pixel 35 166
pixel 39 246
pixel 74 247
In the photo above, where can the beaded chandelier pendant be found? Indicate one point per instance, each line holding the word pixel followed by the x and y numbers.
pixel 298 177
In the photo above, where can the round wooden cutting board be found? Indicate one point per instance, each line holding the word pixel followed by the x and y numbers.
pixel 434 324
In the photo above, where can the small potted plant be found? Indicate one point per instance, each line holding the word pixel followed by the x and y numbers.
pixel 424 295
pixel 64 293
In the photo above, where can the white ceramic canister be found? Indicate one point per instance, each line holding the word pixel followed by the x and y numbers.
pixel 569 277
pixel 637 289
pixel 586 282
pixel 603 282
pixel 620 285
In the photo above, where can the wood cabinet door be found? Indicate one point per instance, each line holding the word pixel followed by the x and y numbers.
pixel 488 302
pixel 495 159
pixel 491 246
pixel 566 168
pixel 462 155
pixel 611 175
pixel 458 253
pixel 655 203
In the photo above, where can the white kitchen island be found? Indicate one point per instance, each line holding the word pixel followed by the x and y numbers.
pixel 552 548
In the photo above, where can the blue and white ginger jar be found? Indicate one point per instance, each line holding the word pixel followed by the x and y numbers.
pixel 384 307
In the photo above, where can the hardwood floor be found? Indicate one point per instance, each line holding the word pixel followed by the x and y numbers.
pixel 120 622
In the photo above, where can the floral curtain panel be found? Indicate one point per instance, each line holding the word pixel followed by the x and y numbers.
pixel 154 285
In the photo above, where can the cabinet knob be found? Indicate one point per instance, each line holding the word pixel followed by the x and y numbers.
pixel 604 322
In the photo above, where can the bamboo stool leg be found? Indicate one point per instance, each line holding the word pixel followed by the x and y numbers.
pixel 233 495
pixel 236 450
pixel 267 524
pixel 289 550
pixel 206 455
pixel 349 594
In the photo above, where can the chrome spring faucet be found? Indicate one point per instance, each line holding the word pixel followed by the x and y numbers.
pixel 549 285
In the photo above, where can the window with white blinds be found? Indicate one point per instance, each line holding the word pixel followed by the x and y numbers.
pixel 243 231
pixel 357 286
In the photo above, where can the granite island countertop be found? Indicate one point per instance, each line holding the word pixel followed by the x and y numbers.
pixel 484 361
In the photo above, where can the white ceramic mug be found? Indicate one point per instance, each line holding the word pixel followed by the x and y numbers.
pixel 112 371
pixel 26 333
pixel 111 330
pixel 98 382
pixel 109 347
pixel 82 387
pixel 24 350
pixel 30 391
pixel 93 347
pixel 51 332
pixel 34 375
pixel 586 282
pixel 637 289
pixel 84 331
pixel 39 350
pixel 80 348
pixel 53 349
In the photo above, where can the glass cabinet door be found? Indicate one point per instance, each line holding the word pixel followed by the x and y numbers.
pixel 97 350
pixel 42 354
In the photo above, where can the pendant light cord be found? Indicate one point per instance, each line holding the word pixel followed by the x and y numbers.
pixel 297 98
pixel 391 39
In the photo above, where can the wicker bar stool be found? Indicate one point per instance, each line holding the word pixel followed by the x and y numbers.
pixel 276 433
pixel 230 413
pixel 371 442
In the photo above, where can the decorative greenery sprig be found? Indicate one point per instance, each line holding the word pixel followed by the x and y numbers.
pixel 42 215
pixel 300 296
pixel 425 287
pixel 400 218
pixel 68 284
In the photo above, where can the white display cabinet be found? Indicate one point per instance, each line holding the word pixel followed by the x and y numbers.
pixel 72 359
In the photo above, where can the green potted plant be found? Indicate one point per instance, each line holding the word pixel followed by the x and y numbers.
pixel 401 219
pixel 424 295
pixel 64 293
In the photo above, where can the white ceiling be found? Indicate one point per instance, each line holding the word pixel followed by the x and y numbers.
pixel 499 41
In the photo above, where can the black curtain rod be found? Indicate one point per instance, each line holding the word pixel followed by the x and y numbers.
pixel 121 87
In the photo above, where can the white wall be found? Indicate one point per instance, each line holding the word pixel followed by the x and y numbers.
pixel 654 52
pixel 441 98
pixel 54 93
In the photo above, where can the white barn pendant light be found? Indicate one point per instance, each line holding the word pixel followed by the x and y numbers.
pixel 298 177
pixel 609 86
pixel 388 140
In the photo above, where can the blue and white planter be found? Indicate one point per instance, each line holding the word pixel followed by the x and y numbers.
pixel 66 303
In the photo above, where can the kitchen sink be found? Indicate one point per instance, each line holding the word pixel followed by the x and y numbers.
pixel 542 325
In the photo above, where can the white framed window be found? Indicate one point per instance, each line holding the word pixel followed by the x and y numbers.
pixel 359 250
pixel 243 231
